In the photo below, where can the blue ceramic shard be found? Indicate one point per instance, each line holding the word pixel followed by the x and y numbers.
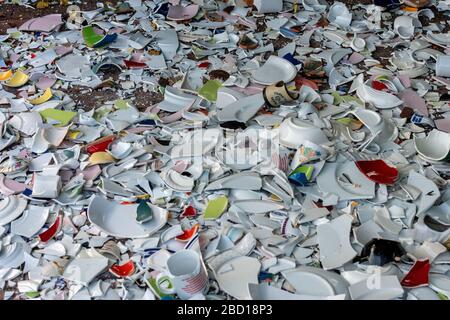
pixel 301 175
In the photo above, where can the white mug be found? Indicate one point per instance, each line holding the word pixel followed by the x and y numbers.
pixel 188 272
pixel 268 6
pixel 443 66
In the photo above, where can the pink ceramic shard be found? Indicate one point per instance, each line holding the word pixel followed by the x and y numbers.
pixel 405 80
pixel 91 173
pixel 62 50
pixel 45 82
pixel 45 24
pixel 414 101
pixel 182 13
pixel 9 187
pixel 443 124
pixel 356 58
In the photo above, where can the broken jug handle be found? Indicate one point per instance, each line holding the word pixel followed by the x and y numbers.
pixel 364 146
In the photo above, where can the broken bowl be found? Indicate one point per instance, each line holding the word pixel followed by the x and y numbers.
pixel 339 15
pixel 18 79
pixel 294 132
pixel 435 146
pixel 405 26
pixel 275 69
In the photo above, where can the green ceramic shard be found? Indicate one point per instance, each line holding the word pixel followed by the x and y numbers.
pixel 442 296
pixel 63 117
pixel 345 121
pixel 32 294
pixel 90 36
pixel 121 104
pixel 198 52
pixel 101 112
pixel 209 90
pixel 143 212
pixel 338 99
pixel 216 207
pixel 15 34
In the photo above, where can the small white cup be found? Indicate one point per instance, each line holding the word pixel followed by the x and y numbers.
pixel 189 273
pixel 443 66
pixel 405 26
pixel 268 6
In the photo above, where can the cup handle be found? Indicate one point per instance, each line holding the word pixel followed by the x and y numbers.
pixel 162 279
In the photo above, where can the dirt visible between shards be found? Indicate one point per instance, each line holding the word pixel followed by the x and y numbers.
pixel 12 16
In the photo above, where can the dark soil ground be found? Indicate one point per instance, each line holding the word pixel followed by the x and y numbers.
pixel 87 99
pixel 383 54
pixel 143 99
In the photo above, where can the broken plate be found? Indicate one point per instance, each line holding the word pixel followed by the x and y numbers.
pixel 175 100
pixel 31 221
pixel 234 276
pixel 241 110
pixel 294 132
pixel 11 208
pixel 258 206
pixel 45 23
pixel 244 180
pixel 119 219
pixel 319 280
pixel 345 181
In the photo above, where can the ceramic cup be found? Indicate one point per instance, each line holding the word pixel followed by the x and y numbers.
pixel 189 274
pixel 268 6
pixel 46 186
pixel 443 66
pixel 339 15
pixel 278 94
pixel 404 26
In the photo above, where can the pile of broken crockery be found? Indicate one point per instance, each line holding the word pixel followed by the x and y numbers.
pixel 286 158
